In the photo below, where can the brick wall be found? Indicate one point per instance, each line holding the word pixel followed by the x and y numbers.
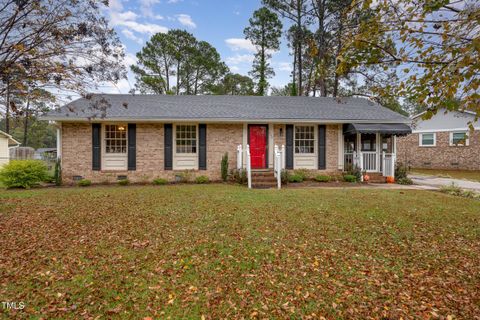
pixel 443 156
pixel 221 138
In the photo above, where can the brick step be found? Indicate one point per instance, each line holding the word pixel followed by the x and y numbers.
pixel 264 179
pixel 264 185
pixel 262 174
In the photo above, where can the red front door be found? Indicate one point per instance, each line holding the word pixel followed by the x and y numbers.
pixel 258 146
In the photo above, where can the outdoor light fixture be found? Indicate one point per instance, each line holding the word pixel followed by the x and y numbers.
pixel 121 128
pixel 281 132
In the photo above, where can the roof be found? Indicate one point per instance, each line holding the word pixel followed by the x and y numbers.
pixel 210 108
pixel 384 128
pixel 467 112
pixel 11 140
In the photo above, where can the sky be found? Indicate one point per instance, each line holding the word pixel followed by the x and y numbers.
pixel 219 22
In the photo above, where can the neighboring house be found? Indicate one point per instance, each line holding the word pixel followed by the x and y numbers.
pixel 147 136
pixel 442 142
pixel 6 141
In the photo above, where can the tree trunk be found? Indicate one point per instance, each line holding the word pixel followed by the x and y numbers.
pixel 321 48
pixel 294 72
pixel 167 74
pixel 7 108
pixel 299 54
pixel 178 79
pixel 25 124
pixel 339 44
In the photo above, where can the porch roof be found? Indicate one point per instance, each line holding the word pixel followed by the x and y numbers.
pixel 385 128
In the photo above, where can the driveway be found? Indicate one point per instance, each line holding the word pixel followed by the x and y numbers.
pixel 433 181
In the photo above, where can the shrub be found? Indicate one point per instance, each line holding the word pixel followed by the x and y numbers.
pixel 84 183
pixel 405 181
pixel 350 178
pixel 201 179
pixel 285 176
pixel 302 173
pixel 160 181
pixel 23 173
pixel 401 171
pixel 124 182
pixel 354 171
pixel 184 176
pixel 295 178
pixel 455 190
pixel 58 173
pixel 224 167
pixel 321 178
pixel 239 176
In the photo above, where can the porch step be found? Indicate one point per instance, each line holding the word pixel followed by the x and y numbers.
pixel 264 179
pixel 376 177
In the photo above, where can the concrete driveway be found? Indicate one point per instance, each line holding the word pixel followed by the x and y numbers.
pixel 433 181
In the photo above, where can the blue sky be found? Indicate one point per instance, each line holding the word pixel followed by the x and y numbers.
pixel 219 22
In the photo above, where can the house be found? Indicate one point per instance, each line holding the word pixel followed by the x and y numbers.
pixel 6 141
pixel 442 142
pixel 142 137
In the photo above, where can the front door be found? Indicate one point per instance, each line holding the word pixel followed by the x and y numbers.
pixel 258 146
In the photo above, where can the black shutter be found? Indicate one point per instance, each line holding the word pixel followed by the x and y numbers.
pixel 289 146
pixel 132 146
pixel 96 146
pixel 322 156
pixel 168 146
pixel 202 143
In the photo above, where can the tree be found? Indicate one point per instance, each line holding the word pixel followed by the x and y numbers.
pixel 234 84
pixel 264 32
pixel 435 50
pixel 288 90
pixel 59 44
pixel 196 65
pixel 298 12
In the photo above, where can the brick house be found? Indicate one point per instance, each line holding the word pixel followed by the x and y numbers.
pixel 143 137
pixel 442 142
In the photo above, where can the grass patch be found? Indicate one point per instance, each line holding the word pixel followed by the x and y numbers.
pixel 472 175
pixel 220 251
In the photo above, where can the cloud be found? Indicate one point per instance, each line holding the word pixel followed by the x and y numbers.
pixel 238 44
pixel 146 8
pixel 128 19
pixel 130 35
pixel 234 69
pixel 130 59
pixel 285 66
pixel 174 1
pixel 186 20
pixel 240 58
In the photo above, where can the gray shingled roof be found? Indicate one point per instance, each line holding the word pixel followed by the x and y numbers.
pixel 223 108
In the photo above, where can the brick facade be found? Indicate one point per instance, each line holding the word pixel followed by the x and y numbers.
pixel 442 156
pixel 77 152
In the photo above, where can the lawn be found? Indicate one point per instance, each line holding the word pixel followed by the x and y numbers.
pixel 228 252
pixel 472 175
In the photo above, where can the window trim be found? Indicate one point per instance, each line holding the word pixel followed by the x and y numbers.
pixel 420 140
pixel 175 125
pixel 467 140
pixel 315 140
pixel 109 156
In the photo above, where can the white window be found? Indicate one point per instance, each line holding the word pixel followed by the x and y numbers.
pixel 427 140
pixel 459 138
pixel 186 138
pixel 304 139
pixel 115 139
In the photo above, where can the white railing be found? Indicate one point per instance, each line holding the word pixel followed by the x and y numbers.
pixel 239 157
pixel 249 168
pixel 369 161
pixel 278 164
pixel 388 164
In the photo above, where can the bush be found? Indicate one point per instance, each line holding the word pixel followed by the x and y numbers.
pixel 354 171
pixel 405 181
pixel 295 178
pixel 201 179
pixel 401 171
pixel 224 167
pixel 285 176
pixel 160 181
pixel 239 176
pixel 455 190
pixel 124 182
pixel 302 173
pixel 350 178
pixel 84 183
pixel 23 173
pixel 58 173
pixel 321 178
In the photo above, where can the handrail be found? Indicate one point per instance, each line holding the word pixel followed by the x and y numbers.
pixel 277 166
pixel 239 157
pixel 249 168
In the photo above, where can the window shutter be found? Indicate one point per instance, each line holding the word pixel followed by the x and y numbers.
pixel 289 146
pixel 96 146
pixel 168 146
pixel 322 156
pixel 202 150
pixel 132 146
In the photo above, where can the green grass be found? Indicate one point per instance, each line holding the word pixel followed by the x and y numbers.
pixel 472 175
pixel 228 252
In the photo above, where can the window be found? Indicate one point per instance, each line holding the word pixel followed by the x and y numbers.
pixel 186 139
pixel 369 142
pixel 304 139
pixel 427 140
pixel 459 139
pixel 115 138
